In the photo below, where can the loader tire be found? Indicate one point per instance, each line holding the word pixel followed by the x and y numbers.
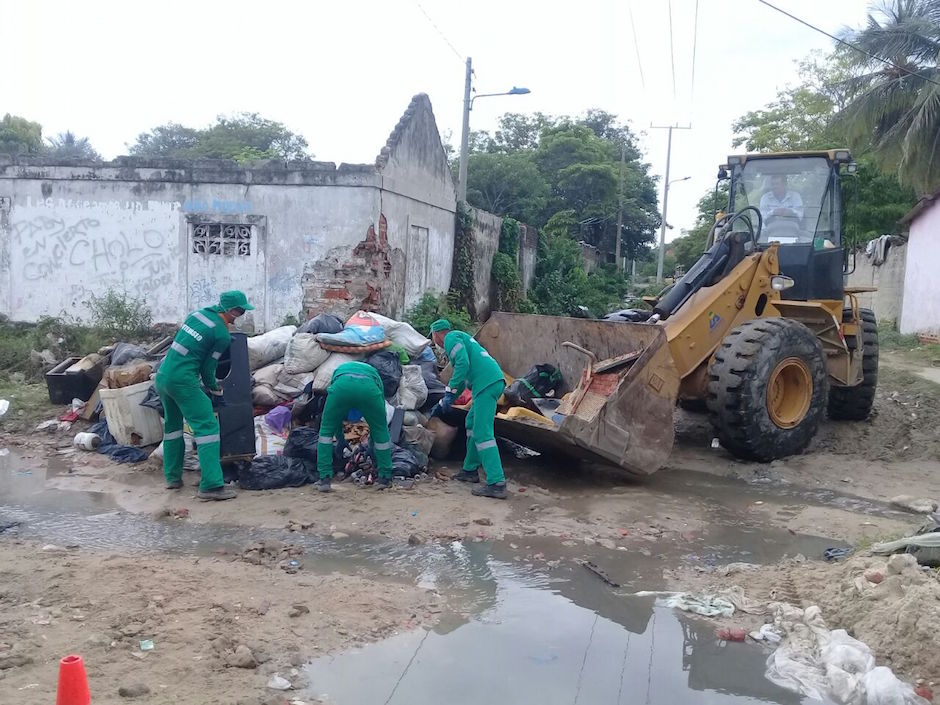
pixel 767 389
pixel 855 403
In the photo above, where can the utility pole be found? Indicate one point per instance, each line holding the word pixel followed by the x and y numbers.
pixel 465 136
pixel 620 266
pixel 662 229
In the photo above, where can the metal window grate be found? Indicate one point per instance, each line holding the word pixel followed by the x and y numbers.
pixel 222 239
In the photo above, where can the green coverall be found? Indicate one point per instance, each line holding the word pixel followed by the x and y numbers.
pixel 195 353
pixel 474 368
pixel 354 385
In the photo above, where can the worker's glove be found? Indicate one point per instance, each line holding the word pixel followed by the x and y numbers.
pixel 218 401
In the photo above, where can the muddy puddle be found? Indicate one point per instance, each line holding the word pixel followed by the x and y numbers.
pixel 543 637
pixel 527 622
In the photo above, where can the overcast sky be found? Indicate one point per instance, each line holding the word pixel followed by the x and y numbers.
pixel 341 73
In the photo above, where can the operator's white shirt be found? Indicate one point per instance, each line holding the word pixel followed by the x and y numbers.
pixel 769 203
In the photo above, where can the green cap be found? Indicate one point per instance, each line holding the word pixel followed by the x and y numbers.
pixel 234 299
pixel 439 325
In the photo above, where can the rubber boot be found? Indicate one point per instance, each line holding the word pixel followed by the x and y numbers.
pixel 174 484
pixel 383 483
pixel 495 491
pixel 324 484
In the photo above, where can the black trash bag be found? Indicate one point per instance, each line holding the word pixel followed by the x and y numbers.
pixel 302 443
pixel 537 383
pixel 152 400
pixel 308 407
pixel 324 323
pixel 407 463
pixel 629 315
pixel 125 352
pixel 270 472
pixel 388 365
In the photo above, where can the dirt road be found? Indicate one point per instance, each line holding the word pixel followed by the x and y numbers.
pixel 671 529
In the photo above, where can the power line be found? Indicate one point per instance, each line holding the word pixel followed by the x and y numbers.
pixel 694 45
pixel 636 45
pixel 672 53
pixel 850 45
pixel 438 30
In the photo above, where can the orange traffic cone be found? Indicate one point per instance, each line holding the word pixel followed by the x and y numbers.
pixel 73 684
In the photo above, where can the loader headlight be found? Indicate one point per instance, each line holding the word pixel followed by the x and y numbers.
pixel 779 282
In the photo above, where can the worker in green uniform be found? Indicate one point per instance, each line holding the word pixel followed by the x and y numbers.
pixel 354 385
pixel 474 368
pixel 194 355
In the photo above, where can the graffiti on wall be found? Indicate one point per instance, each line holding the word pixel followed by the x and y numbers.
pixel 81 250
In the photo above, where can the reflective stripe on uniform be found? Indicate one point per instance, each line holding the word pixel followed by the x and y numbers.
pixel 387 445
pixel 205 440
pixel 454 350
pixel 172 436
pixel 199 316
pixel 448 390
pixel 469 433
pixel 216 355
pixel 328 442
pixel 354 375
pixel 181 349
pixel 483 353
pixel 486 444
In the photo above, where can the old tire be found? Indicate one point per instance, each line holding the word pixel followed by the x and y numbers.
pixel 767 389
pixel 855 403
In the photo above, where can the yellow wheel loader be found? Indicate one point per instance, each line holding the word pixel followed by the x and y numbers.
pixel 761 331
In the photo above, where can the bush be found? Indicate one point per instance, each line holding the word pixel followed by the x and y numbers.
pixel 431 307
pixel 18 340
pixel 505 275
pixel 120 314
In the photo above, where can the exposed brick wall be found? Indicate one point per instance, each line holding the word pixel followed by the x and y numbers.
pixel 371 278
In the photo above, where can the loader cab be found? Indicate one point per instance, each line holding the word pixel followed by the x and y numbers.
pixel 800 200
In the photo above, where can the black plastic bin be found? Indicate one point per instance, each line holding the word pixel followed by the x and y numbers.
pixel 65 386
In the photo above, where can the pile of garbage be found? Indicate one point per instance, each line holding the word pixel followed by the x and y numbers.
pixel 291 370
pixel 113 390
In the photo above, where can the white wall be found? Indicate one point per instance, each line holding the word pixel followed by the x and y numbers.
pixel 920 312
pixel 65 236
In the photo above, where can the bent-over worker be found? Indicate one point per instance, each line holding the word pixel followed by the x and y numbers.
pixel 195 353
pixel 354 385
pixel 474 368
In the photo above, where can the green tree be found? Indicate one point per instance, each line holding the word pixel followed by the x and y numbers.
pixel 66 145
pixel 244 137
pixel 509 184
pixel 689 248
pixel 897 107
pixel 20 136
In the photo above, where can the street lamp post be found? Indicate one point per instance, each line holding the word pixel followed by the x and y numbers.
pixel 465 133
pixel 662 229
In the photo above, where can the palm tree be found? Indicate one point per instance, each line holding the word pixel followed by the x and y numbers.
pixel 66 145
pixel 896 109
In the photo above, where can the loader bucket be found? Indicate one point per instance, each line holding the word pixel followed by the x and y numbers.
pixel 622 415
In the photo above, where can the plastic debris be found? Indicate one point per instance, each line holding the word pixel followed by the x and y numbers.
pixel 146 645
pixel 278 683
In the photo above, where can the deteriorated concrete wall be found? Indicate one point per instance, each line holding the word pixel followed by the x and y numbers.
pixel 485 243
pixel 887 277
pixel 528 253
pixel 299 239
